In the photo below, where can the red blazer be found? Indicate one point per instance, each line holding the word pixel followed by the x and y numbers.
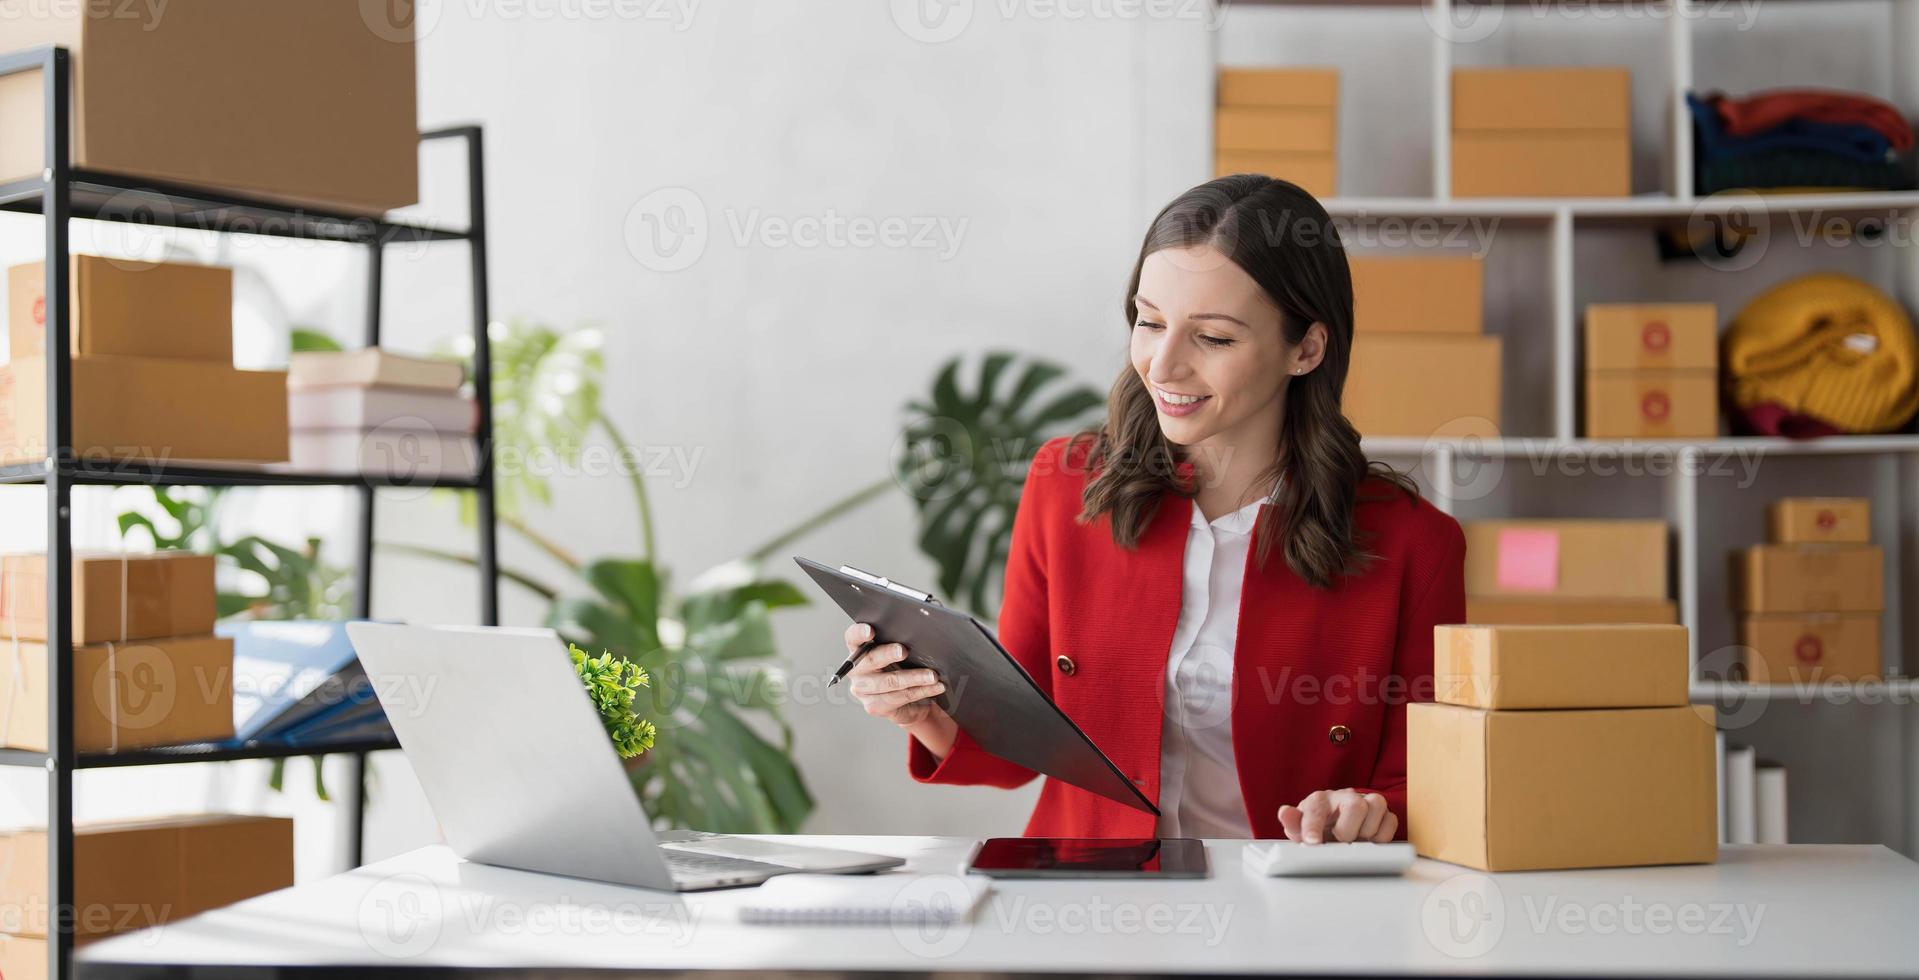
pixel 1308 662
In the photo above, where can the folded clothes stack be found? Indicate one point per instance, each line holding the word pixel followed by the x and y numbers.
pixel 1787 139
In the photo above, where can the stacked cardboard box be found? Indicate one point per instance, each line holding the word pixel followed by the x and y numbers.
pixel 1420 362
pixel 135 874
pixel 1809 601
pixel 1542 132
pixel 1565 572
pixel 1281 122
pixel 1652 371
pixel 376 412
pixel 1545 742
pixel 153 375
pixel 146 670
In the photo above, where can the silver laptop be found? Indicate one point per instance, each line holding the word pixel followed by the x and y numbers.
pixel 520 772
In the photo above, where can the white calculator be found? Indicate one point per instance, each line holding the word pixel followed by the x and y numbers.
pixel 1285 859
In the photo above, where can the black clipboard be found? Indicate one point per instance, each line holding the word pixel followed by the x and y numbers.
pixel 987 692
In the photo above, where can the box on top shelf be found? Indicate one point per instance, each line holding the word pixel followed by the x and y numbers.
pixel 1806 648
pixel 148 408
pixel 1541 132
pixel 1415 384
pixel 371 367
pixel 1533 790
pixel 1528 611
pixel 1315 173
pixel 1652 405
pixel 171 691
pixel 154 97
pixel 1586 558
pixel 115 597
pixel 1590 666
pixel 1799 578
pixel 1281 122
pixel 1819 520
pixel 136 309
pixel 1418 294
pixel 1307 87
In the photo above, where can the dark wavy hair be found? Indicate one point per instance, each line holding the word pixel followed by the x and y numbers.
pixel 1286 242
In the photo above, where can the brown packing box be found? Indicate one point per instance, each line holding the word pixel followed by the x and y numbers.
pixel 154 96
pixel 1652 404
pixel 1568 612
pixel 149 408
pixel 1797 578
pixel 132 695
pixel 1534 790
pixel 1415 384
pixel 1669 336
pixel 1541 132
pixel 1279 86
pixel 1805 648
pixel 136 309
pixel 1418 294
pixel 1283 129
pixel 1315 173
pixel 1819 520
pixel 169 593
pixel 1594 559
pixel 1560 666
pixel 137 873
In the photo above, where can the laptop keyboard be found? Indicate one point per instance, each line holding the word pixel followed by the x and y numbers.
pixel 686 864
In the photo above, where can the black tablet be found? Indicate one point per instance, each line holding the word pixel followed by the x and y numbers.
pixel 1090 857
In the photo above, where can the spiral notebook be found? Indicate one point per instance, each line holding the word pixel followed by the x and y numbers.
pixel 872 900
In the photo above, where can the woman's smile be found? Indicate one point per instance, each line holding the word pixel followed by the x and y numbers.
pixel 1177 404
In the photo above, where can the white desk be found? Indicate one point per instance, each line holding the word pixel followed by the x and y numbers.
pixel 1812 910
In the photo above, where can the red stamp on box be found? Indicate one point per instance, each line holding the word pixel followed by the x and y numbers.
pixel 1656 405
pixel 1655 335
pixel 1809 650
pixel 1827 520
pixel 39 311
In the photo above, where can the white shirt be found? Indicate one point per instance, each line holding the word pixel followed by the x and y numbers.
pixel 1198 782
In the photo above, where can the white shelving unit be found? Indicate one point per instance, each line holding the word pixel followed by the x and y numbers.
pixel 1852 749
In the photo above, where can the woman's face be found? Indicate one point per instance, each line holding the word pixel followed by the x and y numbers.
pixel 1208 345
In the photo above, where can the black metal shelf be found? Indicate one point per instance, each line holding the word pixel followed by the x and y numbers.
pixel 126 473
pixel 173 755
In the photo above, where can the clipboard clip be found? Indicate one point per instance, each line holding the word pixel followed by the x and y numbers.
pixel 886 583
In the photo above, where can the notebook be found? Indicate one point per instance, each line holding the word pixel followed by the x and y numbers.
pixel 879 900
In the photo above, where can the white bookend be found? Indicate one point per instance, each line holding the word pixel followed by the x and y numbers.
pixel 1769 806
pixel 1741 827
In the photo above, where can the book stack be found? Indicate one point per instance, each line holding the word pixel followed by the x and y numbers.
pixel 377 413
pixel 298 682
pixel 1752 797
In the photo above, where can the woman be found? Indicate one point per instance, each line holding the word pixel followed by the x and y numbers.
pixel 1216 585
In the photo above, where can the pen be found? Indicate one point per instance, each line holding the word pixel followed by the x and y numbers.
pixel 853 658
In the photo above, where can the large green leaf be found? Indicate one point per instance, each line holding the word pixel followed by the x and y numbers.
pixel 546 398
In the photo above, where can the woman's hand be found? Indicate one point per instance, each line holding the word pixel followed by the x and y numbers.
pixel 903 697
pixel 1341 814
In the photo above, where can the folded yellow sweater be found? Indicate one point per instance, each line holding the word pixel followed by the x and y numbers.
pixel 1828 347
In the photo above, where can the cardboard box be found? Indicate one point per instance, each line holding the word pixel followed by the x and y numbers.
pixel 1533 790
pixel 1806 648
pixel 1568 612
pixel 135 309
pixel 1652 404
pixel 1800 578
pixel 1275 129
pixel 1591 559
pixel 134 874
pixel 1642 336
pixel 154 96
pixel 1541 132
pixel 1315 173
pixel 173 691
pixel 148 408
pixel 115 597
pixel 1512 667
pixel 1819 520
pixel 1415 384
pixel 1418 294
pixel 1279 86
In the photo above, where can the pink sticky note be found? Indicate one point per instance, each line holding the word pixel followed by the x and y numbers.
pixel 1528 560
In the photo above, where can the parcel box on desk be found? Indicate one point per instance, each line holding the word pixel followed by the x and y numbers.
pixel 1503 610
pixel 1798 578
pixel 1560 666
pixel 1416 384
pixel 1418 294
pixel 149 408
pixel 1652 404
pixel 1819 520
pixel 133 309
pixel 1541 132
pixel 115 597
pixel 1806 648
pixel 1599 559
pixel 1533 790
pixel 133 874
pixel 137 694
pixel 1644 336
pixel 155 97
